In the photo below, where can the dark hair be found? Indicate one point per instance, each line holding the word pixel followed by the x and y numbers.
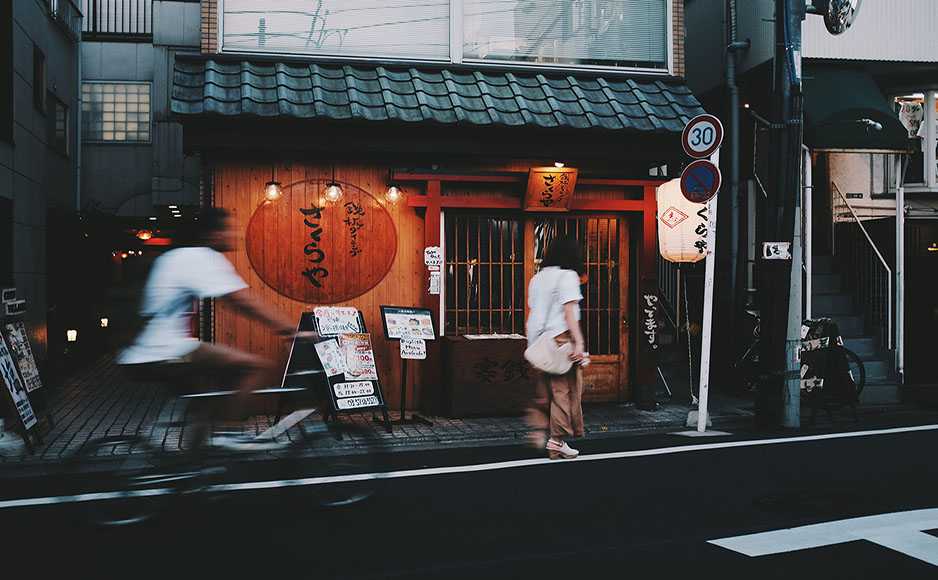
pixel 564 252
pixel 211 220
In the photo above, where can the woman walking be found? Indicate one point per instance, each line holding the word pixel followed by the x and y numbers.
pixel 554 300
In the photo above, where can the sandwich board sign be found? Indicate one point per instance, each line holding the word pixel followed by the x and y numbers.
pixel 343 364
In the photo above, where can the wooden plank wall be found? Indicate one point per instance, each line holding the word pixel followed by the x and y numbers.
pixel 239 187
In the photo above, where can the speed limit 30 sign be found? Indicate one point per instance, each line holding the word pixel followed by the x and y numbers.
pixel 702 136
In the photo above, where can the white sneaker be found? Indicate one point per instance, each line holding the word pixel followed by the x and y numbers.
pixel 11 445
pixel 561 450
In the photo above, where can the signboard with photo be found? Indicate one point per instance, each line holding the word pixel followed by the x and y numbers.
pixel 15 387
pixel 402 322
pixel 343 365
pixel 22 354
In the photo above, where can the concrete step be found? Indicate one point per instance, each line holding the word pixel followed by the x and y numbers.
pixel 822 265
pixel 849 325
pixel 879 394
pixel 865 347
pixel 825 305
pixel 877 370
pixel 825 284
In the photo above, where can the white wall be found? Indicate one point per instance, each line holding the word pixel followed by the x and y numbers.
pixel 851 173
pixel 891 30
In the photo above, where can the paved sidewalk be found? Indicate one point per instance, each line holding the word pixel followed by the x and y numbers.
pixel 97 402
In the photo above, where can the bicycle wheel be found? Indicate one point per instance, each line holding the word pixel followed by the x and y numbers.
pixel 342 462
pixel 856 368
pixel 127 493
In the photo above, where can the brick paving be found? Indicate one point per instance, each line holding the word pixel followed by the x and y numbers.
pixel 99 402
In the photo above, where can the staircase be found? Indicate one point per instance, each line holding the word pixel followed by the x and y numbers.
pixel 831 299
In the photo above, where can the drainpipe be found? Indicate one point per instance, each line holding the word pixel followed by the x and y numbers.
pixel 732 48
pixel 78 100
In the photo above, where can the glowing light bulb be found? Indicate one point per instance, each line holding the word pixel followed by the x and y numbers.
pixel 333 192
pixel 394 194
pixel 273 191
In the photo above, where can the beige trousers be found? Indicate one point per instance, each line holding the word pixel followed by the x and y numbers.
pixel 558 403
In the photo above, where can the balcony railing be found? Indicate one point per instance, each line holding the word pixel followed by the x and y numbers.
pixel 129 20
pixel 67 15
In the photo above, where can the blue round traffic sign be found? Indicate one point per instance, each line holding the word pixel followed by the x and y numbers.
pixel 700 181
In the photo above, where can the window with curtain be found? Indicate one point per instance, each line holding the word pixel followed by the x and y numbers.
pixel 484 274
pixel 616 33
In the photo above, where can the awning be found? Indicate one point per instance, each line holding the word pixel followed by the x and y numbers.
pixel 217 87
pixel 837 98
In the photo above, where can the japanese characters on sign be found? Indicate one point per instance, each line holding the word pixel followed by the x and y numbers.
pixel 335 320
pixel 22 354
pixel 550 188
pixel 359 356
pixel 15 387
pixel 682 225
pixel 316 252
pixel 433 256
pixel 650 320
pixel 436 283
pixel 355 220
pixel 491 371
pixel 353 389
pixel 315 271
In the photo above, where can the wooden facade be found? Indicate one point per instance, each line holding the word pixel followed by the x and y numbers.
pixel 622 210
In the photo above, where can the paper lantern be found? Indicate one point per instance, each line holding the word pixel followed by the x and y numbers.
pixel 682 225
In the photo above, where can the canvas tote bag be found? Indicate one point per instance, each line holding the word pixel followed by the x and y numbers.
pixel 545 354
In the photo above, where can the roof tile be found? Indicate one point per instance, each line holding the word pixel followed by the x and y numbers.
pixel 309 91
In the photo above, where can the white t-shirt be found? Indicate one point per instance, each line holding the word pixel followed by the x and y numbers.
pixel 549 290
pixel 177 278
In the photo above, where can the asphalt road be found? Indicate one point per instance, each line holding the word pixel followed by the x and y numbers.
pixel 628 508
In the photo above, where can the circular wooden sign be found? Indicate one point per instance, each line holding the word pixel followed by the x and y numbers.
pixel 321 253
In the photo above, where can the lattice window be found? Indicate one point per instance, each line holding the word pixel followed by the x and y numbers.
pixel 116 112
pixel 484 274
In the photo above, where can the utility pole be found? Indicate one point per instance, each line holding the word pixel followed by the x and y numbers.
pixel 775 403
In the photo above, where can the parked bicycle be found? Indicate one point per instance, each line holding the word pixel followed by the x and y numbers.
pixel 748 371
pixel 150 481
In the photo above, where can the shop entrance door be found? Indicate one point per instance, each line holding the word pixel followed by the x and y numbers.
pixel 604 310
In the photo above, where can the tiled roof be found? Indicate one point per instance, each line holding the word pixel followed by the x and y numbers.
pixel 481 97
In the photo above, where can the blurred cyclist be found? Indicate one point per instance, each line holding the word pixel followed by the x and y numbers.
pixel 165 349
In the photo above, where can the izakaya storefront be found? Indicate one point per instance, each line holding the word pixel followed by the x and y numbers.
pixel 488 179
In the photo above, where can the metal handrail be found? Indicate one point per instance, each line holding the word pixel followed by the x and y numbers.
pixel 878 255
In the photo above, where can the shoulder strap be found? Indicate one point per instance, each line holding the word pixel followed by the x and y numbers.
pixel 550 307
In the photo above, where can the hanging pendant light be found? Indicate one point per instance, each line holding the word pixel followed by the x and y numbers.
pixel 273 190
pixel 333 192
pixel 394 194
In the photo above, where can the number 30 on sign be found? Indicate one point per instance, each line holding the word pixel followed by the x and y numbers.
pixel 702 136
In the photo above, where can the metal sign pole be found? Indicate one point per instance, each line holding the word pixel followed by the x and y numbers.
pixel 702 412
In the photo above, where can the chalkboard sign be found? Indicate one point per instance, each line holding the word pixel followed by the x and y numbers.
pixel 404 322
pixel 343 365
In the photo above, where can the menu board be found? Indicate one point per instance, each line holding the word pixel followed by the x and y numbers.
pixel 22 354
pixel 344 365
pixel 335 320
pixel 15 387
pixel 402 322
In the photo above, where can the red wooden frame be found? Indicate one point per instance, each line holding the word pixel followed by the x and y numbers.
pixel 434 202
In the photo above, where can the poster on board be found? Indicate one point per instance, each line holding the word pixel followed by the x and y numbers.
pixel 413 348
pixel 336 320
pixel 358 356
pixel 403 322
pixel 15 387
pixel 22 354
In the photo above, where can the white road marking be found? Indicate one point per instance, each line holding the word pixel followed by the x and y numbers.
pixel 495 466
pixel 900 531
